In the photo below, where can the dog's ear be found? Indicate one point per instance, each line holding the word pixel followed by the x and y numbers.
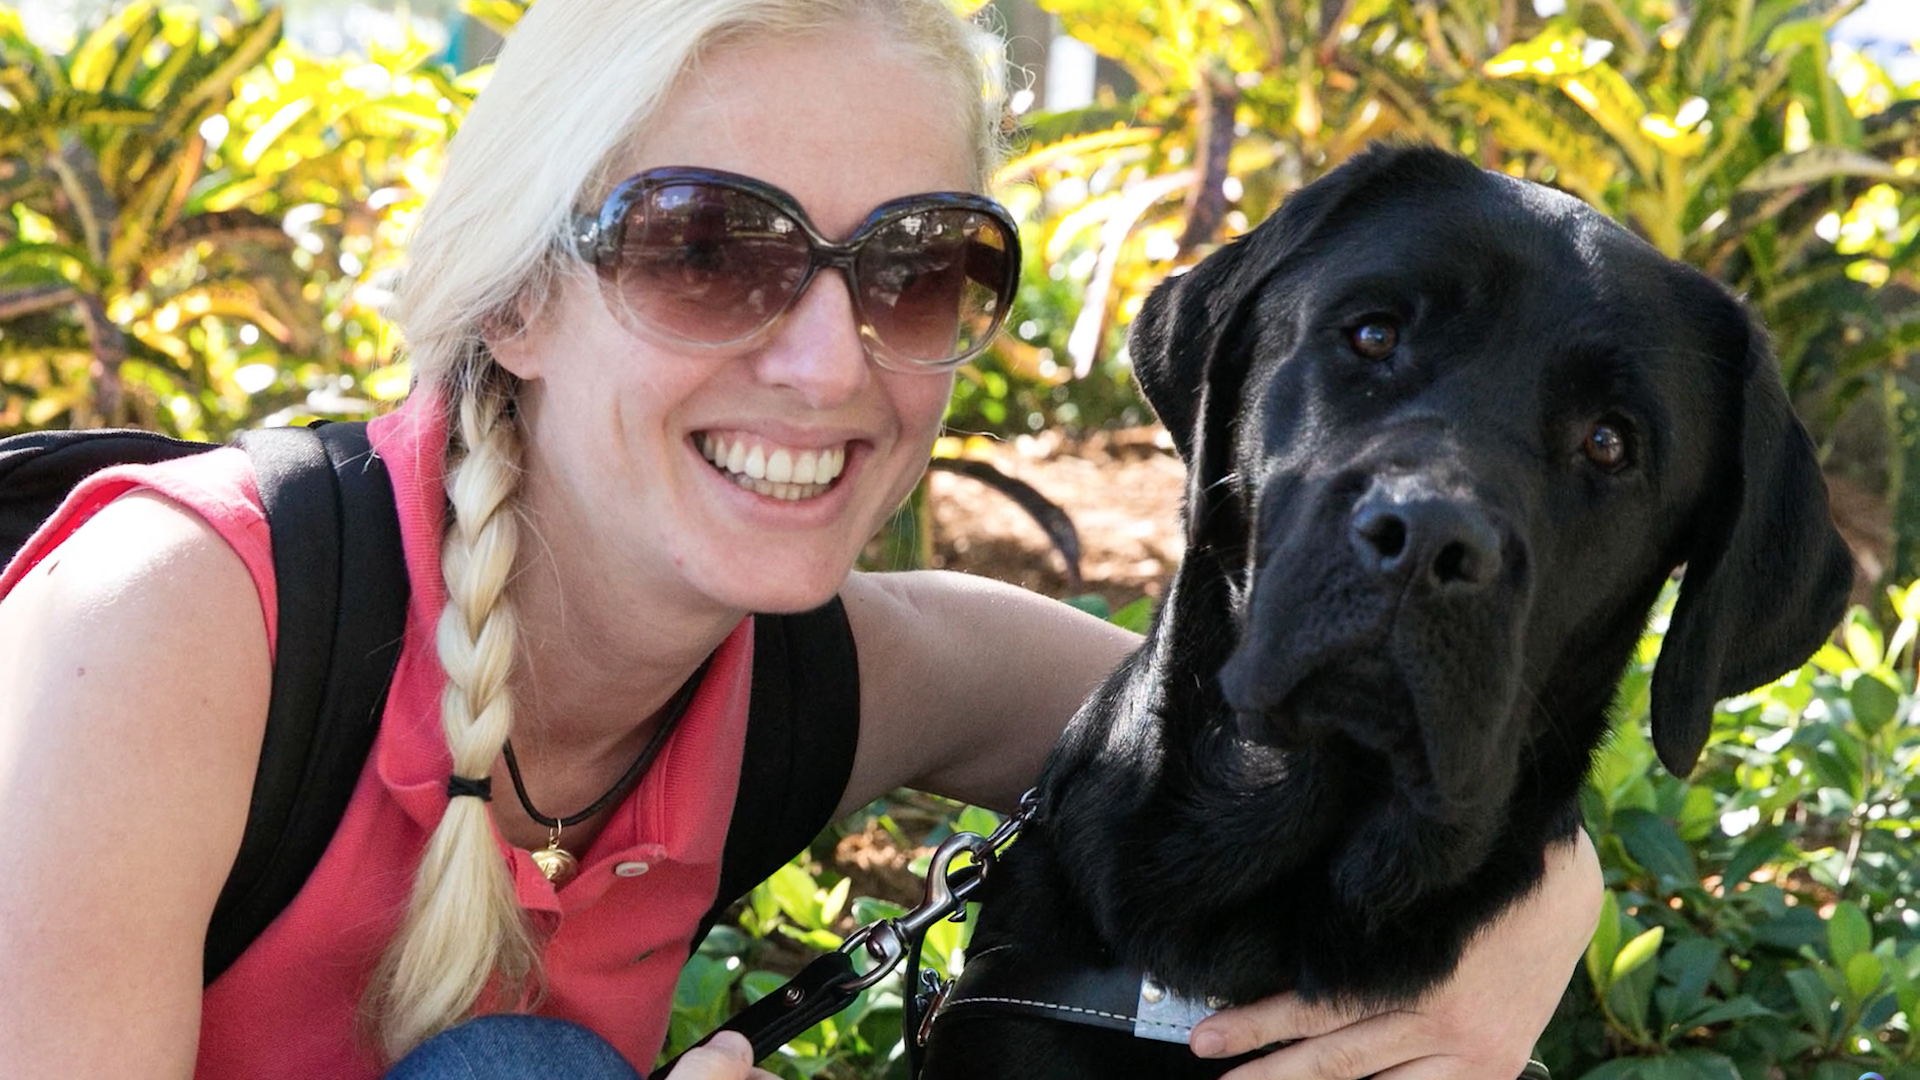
pixel 1767 578
pixel 1171 342
pixel 1175 342
pixel 1189 344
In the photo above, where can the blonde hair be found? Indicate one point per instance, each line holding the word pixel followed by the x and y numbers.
pixel 574 90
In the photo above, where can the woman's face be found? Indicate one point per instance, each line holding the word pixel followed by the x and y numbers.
pixel 621 427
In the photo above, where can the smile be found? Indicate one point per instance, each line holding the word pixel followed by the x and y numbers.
pixel 778 472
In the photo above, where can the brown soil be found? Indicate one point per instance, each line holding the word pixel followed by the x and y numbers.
pixel 1122 490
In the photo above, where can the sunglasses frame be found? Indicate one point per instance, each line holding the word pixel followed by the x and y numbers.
pixel 597 239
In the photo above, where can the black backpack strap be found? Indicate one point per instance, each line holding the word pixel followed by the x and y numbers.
pixel 803 725
pixel 342 592
pixel 39 468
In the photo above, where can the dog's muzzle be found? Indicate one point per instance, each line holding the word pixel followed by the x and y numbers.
pixel 1384 628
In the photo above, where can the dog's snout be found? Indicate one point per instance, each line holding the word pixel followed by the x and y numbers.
pixel 1433 541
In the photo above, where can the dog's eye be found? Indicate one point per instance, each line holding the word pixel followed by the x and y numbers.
pixel 1374 339
pixel 1605 446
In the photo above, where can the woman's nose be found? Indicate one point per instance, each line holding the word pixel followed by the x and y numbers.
pixel 817 349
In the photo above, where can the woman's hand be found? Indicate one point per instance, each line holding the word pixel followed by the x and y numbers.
pixel 1478 1025
pixel 727 1056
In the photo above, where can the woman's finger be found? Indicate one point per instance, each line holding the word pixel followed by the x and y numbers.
pixel 1353 1052
pixel 726 1056
pixel 1282 1018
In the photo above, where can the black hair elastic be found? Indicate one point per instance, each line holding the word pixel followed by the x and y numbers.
pixel 481 789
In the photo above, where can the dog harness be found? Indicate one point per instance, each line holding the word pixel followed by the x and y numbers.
pixel 1116 998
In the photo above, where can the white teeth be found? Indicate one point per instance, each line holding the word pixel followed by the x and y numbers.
pixel 780 473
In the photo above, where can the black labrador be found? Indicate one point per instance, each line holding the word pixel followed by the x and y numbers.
pixel 1447 435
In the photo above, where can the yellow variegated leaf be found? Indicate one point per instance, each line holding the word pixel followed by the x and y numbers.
pixel 94 60
pixel 1816 164
pixel 1584 164
pixel 1099 142
pixel 1617 107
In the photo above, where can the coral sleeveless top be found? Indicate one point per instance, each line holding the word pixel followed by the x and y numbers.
pixel 614 937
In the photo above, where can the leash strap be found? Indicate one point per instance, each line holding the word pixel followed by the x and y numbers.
pixel 822 988
pixel 832 981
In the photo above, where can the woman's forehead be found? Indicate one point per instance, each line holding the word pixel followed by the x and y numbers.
pixel 843 122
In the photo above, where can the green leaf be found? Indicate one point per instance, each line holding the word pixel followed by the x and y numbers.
pixel 1848 933
pixel 1759 845
pixel 1618 1069
pixel 1740 1008
pixel 1874 702
pixel 1637 952
pixel 835 902
pixel 1831 659
pixel 1864 975
pixel 1702 1064
pixel 794 891
pixel 1654 844
pixel 1605 944
pixel 1136 616
pixel 1863 642
pixel 1092 603
pixel 1815 1000
pixel 1689 964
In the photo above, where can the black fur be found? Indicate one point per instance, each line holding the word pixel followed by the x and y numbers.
pixel 1368 701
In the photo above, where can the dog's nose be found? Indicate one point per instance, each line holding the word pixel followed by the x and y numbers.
pixel 1431 540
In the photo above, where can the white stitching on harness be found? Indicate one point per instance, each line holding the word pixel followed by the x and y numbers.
pixel 1183 1028
pixel 1042 1005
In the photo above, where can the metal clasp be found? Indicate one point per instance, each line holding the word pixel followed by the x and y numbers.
pixel 886 941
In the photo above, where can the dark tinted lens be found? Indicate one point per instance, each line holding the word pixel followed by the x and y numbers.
pixel 708 263
pixel 931 283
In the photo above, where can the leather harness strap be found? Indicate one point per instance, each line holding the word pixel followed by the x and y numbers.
pixel 1115 998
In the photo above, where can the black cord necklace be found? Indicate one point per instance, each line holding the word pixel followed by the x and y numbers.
pixel 557 863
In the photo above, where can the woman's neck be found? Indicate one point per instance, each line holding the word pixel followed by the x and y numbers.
pixel 600 654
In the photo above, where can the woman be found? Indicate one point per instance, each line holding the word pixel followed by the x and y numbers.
pixel 600 474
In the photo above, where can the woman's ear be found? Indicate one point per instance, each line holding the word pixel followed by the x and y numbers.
pixel 511 346
pixel 512 334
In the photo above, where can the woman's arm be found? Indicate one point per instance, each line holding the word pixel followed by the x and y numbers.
pixel 132 707
pixel 1480 1024
pixel 965 683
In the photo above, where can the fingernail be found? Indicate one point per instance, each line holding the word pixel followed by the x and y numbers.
pixel 1208 1043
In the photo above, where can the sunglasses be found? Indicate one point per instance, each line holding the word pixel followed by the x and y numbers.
pixel 711 259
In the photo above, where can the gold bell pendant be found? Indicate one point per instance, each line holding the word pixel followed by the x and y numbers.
pixel 554 861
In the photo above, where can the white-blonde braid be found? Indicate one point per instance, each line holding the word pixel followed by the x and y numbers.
pixel 464 927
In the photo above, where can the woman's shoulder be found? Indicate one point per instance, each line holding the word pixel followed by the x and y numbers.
pixel 159 513
pixel 136 697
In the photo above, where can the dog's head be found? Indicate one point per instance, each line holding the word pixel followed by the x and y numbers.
pixel 1447 434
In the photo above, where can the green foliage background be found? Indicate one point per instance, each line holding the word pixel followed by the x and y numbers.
pixel 201 223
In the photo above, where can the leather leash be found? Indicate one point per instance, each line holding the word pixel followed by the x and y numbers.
pixel 831 982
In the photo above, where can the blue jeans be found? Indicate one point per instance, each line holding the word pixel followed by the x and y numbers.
pixel 514 1047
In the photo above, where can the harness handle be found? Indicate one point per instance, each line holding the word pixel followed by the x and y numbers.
pixel 832 981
